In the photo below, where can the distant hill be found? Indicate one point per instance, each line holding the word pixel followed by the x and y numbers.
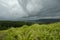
pixel 44 20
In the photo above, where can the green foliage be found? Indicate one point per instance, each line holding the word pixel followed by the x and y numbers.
pixel 33 32
pixel 7 24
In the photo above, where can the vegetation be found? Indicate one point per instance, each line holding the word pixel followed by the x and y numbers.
pixel 33 32
pixel 7 24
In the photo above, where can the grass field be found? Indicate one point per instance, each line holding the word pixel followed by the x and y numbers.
pixel 33 32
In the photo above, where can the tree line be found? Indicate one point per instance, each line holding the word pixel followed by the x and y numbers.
pixel 8 24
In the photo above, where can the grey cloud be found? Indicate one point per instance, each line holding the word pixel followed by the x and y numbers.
pixel 29 9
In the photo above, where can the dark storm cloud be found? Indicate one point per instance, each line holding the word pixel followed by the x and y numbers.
pixel 29 9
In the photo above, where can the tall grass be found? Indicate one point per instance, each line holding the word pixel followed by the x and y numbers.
pixel 33 32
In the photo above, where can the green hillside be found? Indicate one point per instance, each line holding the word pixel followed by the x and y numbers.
pixel 33 32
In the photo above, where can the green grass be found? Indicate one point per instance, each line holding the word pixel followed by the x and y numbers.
pixel 33 32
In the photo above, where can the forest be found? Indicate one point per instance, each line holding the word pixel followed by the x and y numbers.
pixel 9 24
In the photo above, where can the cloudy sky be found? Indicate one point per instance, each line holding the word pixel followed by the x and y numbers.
pixel 29 9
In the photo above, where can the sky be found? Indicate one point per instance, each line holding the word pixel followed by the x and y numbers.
pixel 29 9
